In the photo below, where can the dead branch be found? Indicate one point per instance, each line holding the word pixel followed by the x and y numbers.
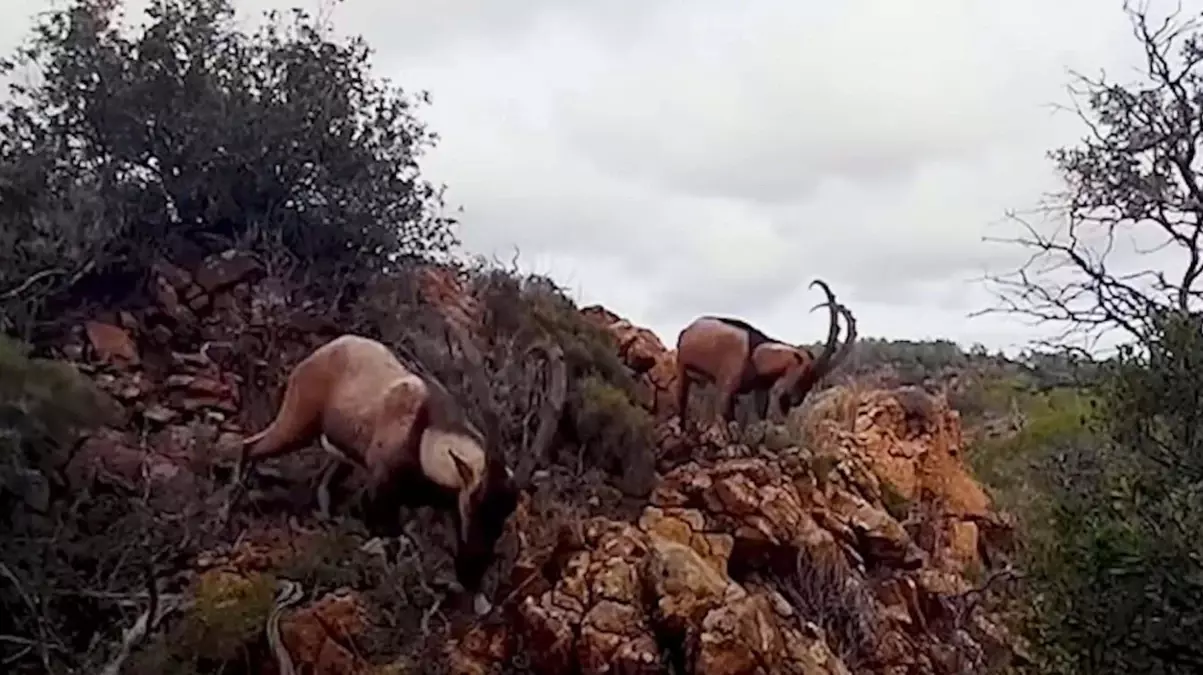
pixel 43 637
pixel 158 607
pixel 965 603
pixel 33 279
pixel 427 615
pixel 1133 175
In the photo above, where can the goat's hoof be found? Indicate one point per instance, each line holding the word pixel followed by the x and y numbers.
pixel 481 604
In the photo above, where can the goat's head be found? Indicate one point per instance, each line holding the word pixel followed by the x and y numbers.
pixel 485 510
pixel 483 513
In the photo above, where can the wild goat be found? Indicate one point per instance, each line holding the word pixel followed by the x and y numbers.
pixel 741 359
pixel 413 440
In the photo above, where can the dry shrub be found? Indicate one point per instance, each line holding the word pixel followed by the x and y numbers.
pixel 839 601
pixel 827 413
pixel 405 622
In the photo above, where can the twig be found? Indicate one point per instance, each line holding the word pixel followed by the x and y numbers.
pixel 428 614
pixel 133 636
pixel 42 649
pixel 966 602
pixel 33 279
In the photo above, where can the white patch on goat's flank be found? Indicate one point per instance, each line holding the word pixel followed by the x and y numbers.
pixel 435 456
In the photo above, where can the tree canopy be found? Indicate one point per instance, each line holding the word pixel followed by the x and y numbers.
pixel 189 135
pixel 1115 555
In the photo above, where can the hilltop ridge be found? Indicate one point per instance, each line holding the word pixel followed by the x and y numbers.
pixel 845 541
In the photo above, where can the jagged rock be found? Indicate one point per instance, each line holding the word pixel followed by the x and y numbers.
pixel 226 269
pixel 653 365
pixel 318 636
pixel 112 344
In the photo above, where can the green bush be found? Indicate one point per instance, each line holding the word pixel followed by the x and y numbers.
pixel 280 139
pixel 1052 420
pixel 615 432
pixel 606 421
pixel 1116 569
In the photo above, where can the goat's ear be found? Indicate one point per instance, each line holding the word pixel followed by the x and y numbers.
pixel 465 471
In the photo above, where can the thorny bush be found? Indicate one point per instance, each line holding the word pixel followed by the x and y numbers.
pixel 77 560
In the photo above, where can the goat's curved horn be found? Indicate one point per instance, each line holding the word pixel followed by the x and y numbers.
pixel 833 331
pixel 821 364
pixel 849 340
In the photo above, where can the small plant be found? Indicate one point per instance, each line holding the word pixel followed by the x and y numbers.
pixel 230 612
pixel 895 503
pixel 836 599
pixel 226 619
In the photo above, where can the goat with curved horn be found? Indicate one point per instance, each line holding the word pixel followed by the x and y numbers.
pixel 740 359
pixel 403 428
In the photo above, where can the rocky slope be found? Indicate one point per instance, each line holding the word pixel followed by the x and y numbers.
pixel 843 542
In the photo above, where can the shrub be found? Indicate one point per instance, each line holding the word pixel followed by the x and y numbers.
pixel 615 432
pixel 71 558
pixel 826 593
pixel 278 138
pixel 1052 421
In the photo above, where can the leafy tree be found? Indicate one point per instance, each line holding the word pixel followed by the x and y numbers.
pixel 189 135
pixel 1117 574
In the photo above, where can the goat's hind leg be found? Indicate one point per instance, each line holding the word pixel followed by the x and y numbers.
pixel 332 479
pixel 290 431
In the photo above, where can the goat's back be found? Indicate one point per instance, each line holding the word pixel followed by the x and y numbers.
pixel 709 345
pixel 355 383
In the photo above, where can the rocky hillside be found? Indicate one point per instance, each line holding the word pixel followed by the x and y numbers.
pixel 851 540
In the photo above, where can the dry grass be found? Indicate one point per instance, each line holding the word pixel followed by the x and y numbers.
pixel 828 413
pixel 823 591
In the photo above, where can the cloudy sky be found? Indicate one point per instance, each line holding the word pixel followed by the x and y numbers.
pixel 672 158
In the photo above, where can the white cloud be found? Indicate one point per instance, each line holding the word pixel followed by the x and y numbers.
pixel 683 157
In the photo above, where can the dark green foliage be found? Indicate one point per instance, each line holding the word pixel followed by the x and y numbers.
pixel 1119 576
pixel 68 559
pixel 192 134
pixel 1115 524
pixel 613 431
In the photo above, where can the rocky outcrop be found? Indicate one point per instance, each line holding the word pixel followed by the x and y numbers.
pixel 846 553
pixel 700 576
pixel 653 365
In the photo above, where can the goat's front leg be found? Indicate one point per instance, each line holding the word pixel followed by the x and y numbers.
pixel 332 480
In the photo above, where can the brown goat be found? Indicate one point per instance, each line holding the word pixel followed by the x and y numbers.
pixel 410 436
pixel 741 359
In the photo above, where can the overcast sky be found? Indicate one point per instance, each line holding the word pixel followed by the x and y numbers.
pixel 672 158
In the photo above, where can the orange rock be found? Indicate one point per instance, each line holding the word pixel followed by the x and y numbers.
pixel 316 635
pixel 441 287
pixel 226 269
pixel 112 344
pixel 652 364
